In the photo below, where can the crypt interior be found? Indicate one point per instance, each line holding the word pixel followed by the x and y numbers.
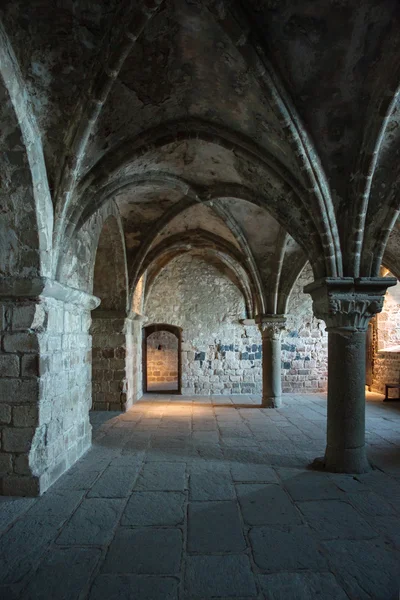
pixel 199 300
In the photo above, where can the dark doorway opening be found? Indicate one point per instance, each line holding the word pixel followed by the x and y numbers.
pixel 162 359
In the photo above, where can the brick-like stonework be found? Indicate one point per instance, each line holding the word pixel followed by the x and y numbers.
pixel 220 355
pixel 304 343
pixel 162 358
pixel 45 392
pixel 109 381
pixel 117 360
pixel 386 364
pixel 386 370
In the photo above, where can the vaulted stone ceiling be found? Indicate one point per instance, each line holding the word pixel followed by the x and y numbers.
pixel 248 120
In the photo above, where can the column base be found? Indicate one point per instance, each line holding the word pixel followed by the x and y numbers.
pixel 271 402
pixel 353 461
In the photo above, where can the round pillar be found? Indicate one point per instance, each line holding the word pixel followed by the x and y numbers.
pixel 271 327
pixel 345 450
pixel 346 304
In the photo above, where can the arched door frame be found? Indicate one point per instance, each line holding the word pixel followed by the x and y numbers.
pixel 177 332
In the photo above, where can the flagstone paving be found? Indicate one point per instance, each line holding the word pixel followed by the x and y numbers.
pixel 192 498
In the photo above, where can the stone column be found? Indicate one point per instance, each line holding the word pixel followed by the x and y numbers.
pixel 271 327
pixel 134 359
pixel 346 305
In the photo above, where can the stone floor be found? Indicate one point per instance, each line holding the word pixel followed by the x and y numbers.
pixel 163 386
pixel 198 498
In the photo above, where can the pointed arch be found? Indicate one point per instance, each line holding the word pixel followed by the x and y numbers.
pixel 243 32
pixel 91 104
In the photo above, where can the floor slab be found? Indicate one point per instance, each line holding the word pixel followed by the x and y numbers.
pixel 194 498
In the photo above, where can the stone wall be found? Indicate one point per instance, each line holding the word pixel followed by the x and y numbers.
pixel 386 370
pixel 386 364
pixel 388 321
pixel 304 343
pixel 162 358
pixel 219 354
pixel 45 391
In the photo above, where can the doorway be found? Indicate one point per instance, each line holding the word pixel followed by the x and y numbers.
pixel 162 359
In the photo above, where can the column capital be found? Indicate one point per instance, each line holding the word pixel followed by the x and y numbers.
pixel 346 304
pixel 271 326
pixel 140 318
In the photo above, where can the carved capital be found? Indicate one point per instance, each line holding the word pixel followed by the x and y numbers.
pixel 347 304
pixel 271 326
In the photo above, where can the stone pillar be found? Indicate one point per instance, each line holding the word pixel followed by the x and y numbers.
pixel 109 378
pixel 346 305
pixel 134 359
pixel 271 327
pixel 45 391
pixel 117 359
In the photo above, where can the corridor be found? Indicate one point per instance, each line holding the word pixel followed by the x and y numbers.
pixel 198 498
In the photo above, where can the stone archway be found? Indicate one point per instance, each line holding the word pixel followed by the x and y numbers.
pixel 163 373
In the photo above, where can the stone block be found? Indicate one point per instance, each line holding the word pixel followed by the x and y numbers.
pixel 120 353
pixel 334 519
pixel 25 416
pixel 219 576
pixel 20 485
pixel 162 476
pixel 107 352
pixel 365 568
pixel 6 464
pixel 11 509
pixel 293 549
pixel 29 316
pixel 250 473
pixel 17 439
pixel 143 587
pixel 266 504
pixel 311 486
pixel 149 509
pixel 63 573
pixel 21 342
pixel 151 551
pixel 215 527
pixel 72 322
pixel 115 482
pixel 306 585
pixel 9 365
pixel 210 483
pixel 93 523
pixel 21 465
pixel 3 320
pixel 5 414
pixel 30 365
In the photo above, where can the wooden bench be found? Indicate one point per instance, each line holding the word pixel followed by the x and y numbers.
pixel 391 386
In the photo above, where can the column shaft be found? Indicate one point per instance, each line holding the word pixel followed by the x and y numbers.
pixel 271 327
pixel 345 450
pixel 271 372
